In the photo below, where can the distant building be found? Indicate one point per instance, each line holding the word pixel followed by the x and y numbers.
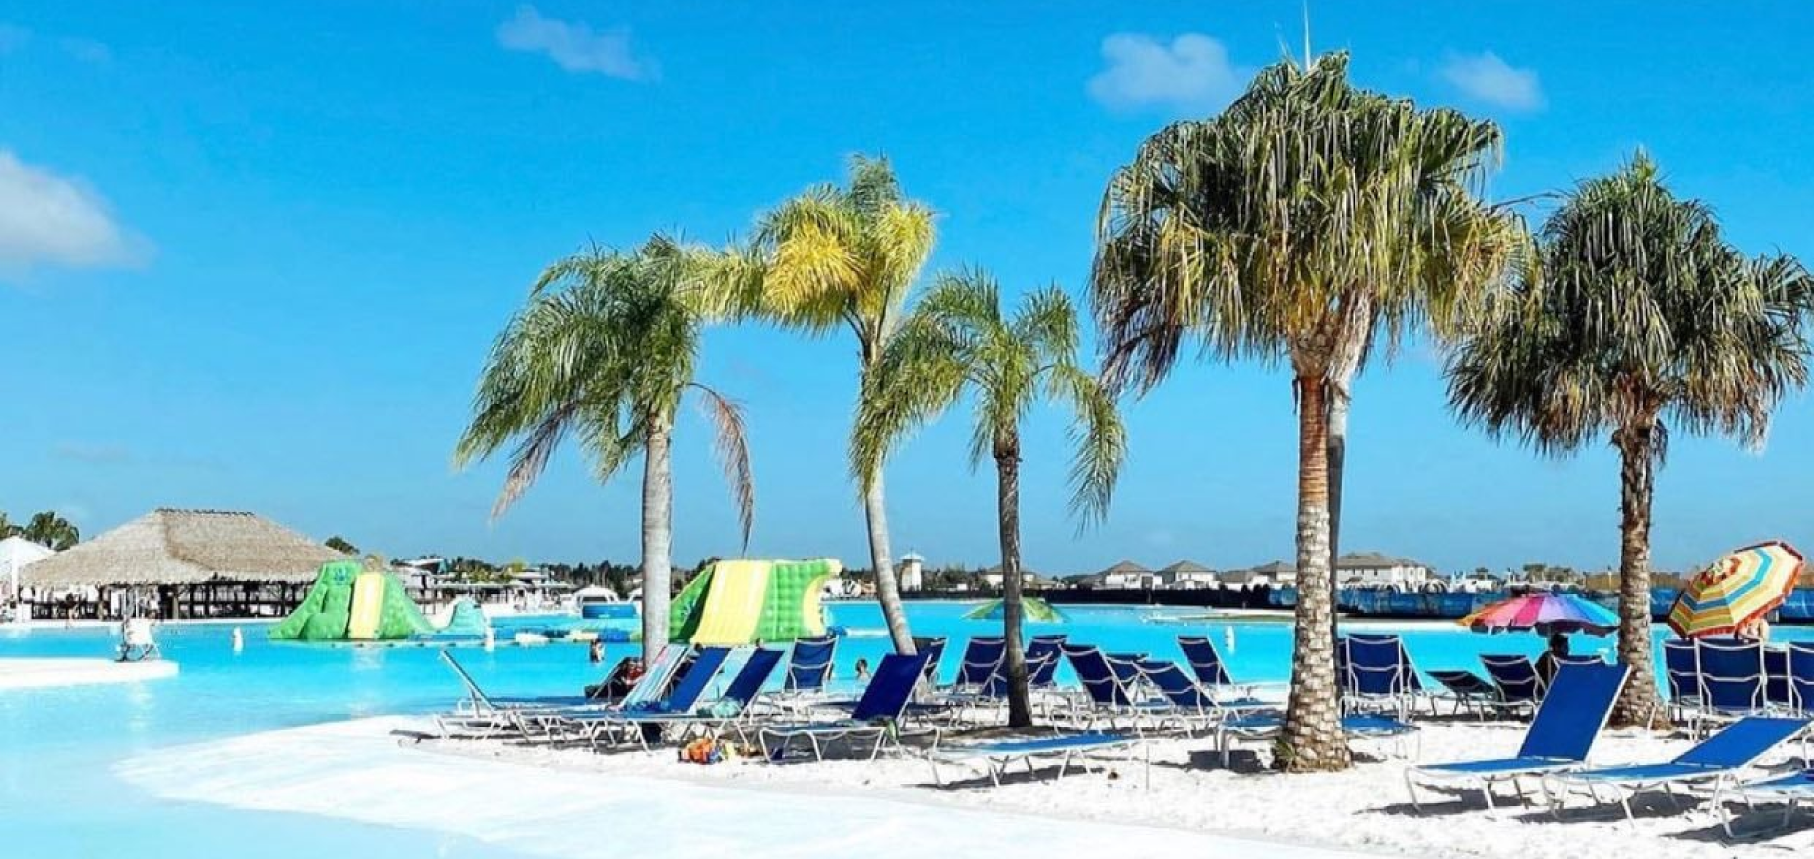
pixel 992 577
pixel 1187 575
pixel 912 575
pixel 1374 570
pixel 1126 574
pixel 1274 574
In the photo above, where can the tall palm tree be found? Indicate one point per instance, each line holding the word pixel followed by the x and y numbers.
pixel 48 528
pixel 1306 221
pixel 605 350
pixel 956 339
pixel 847 257
pixel 1637 315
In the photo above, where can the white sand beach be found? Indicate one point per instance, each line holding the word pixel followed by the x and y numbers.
pixel 557 802
pixel 42 673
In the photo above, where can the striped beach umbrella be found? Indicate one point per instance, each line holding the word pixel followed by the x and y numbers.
pixel 1735 590
pixel 1545 613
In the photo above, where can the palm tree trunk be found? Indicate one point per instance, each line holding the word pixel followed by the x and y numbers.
pixel 1007 494
pixel 1312 740
pixel 1639 703
pixel 1341 388
pixel 888 588
pixel 1338 457
pixel 881 559
pixel 657 536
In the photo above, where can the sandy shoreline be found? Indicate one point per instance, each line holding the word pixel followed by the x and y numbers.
pixel 49 673
pixel 358 770
pixel 534 799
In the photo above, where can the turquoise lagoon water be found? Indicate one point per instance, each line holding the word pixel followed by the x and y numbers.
pixel 59 795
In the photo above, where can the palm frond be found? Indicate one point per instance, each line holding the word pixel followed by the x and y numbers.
pixel 731 444
pixel 957 338
pixel 601 353
pixel 1634 310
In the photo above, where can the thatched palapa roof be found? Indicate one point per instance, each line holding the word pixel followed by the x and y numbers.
pixel 185 547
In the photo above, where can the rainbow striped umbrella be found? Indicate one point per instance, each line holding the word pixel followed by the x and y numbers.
pixel 1736 590
pixel 1545 613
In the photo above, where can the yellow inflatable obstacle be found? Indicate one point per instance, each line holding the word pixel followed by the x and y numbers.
pixel 742 602
pixel 368 607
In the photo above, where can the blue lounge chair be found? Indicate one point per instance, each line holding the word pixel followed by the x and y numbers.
pixel 1779 697
pixel 1516 678
pixel 477 699
pixel 608 726
pixel 1790 790
pixel 1375 670
pixel 1468 690
pixel 1560 736
pixel 1069 748
pixel 934 648
pixel 490 715
pixel 1732 680
pixel 809 666
pixel 734 709
pixel 1715 761
pixel 982 657
pixel 1265 727
pixel 1109 686
pixel 1801 677
pixel 1191 705
pixel 1044 653
pixel 1205 661
pixel 878 713
pixel 1682 676
pixel 1212 672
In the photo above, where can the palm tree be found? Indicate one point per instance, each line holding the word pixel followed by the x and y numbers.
pixel 605 350
pixel 49 529
pixel 846 257
pixel 7 528
pixel 958 339
pixel 1305 221
pixel 1637 315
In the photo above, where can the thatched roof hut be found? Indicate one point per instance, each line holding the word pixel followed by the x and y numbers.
pixel 185 547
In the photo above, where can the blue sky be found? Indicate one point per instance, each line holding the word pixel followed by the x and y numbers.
pixel 251 255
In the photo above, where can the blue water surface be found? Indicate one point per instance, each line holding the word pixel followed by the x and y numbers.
pixel 59 795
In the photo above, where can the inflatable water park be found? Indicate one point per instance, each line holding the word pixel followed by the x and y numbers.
pixel 744 602
pixel 728 603
pixel 348 602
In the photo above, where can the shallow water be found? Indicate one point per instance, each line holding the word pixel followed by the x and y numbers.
pixel 60 797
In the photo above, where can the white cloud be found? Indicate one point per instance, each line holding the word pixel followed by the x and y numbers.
pixel 50 219
pixel 1487 78
pixel 575 46
pixel 1192 74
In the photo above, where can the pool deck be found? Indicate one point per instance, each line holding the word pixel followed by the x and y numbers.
pixel 49 673
pixel 358 770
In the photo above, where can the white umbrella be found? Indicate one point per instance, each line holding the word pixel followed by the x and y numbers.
pixel 15 553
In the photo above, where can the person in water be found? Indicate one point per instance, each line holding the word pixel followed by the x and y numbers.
pixel 862 668
pixel 595 652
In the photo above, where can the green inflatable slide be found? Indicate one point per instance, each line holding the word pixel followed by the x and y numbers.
pixel 743 602
pixel 350 603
